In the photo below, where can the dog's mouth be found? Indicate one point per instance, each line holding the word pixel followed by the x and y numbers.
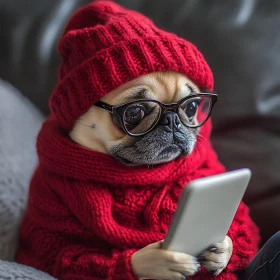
pixel 157 147
pixel 158 158
pixel 124 160
pixel 172 149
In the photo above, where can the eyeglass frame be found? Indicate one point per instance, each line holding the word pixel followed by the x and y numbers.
pixel 173 107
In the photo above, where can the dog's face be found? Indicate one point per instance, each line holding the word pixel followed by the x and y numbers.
pixel 96 129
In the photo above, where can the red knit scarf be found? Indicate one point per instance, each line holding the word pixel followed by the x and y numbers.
pixel 90 200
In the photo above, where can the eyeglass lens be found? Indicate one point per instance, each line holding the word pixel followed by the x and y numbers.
pixel 140 117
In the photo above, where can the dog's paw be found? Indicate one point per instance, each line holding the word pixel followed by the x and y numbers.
pixel 216 258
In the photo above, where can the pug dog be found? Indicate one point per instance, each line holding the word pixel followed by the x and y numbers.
pixel 160 137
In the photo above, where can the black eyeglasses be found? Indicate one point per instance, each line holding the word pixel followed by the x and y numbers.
pixel 139 117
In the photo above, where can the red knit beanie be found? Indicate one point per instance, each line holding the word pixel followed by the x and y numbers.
pixel 104 46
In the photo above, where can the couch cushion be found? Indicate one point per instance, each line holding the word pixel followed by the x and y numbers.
pixel 19 125
pixel 14 271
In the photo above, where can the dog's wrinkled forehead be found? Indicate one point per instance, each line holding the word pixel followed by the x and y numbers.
pixel 167 87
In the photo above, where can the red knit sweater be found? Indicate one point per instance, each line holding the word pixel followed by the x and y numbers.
pixel 87 213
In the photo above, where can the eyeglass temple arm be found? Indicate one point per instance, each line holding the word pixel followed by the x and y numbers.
pixel 104 106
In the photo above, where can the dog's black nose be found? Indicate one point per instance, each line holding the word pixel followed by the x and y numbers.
pixel 170 121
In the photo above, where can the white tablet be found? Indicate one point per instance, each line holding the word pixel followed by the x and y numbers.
pixel 205 212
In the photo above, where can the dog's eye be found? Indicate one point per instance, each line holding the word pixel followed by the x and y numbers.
pixel 191 108
pixel 134 114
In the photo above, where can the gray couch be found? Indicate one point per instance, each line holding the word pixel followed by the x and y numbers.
pixel 20 122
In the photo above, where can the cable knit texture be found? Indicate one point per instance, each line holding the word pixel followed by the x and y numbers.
pixel 88 213
pixel 104 46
